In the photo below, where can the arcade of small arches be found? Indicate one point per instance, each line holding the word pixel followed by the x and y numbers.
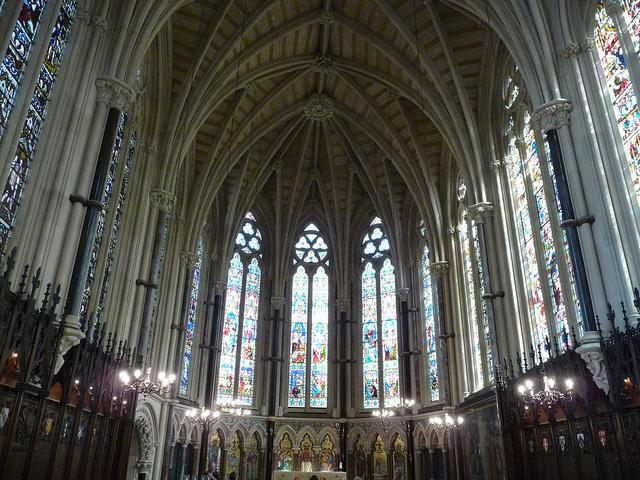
pixel 371 239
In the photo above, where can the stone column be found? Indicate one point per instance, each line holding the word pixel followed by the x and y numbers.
pixel 189 260
pixel 551 118
pixel 432 465
pixel 113 97
pixel 445 344
pixel 405 353
pixel 275 360
pixel 480 214
pixel 213 346
pixel 163 201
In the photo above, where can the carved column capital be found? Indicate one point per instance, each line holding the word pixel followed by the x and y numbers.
pixel 189 259
pixel 343 304
pixel 552 115
pixel 403 294
pixel 278 302
pixel 277 167
pixel 571 50
pixel 587 45
pixel 439 269
pixel 453 231
pixel 481 212
pixel 614 7
pixel 219 286
pixel 162 199
pixel 114 93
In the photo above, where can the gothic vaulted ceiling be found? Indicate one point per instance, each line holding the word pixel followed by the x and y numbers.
pixel 332 95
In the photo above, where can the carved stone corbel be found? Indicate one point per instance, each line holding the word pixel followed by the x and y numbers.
pixel 589 350
pixel 481 212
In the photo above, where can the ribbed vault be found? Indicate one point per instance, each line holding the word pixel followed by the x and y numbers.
pixel 391 110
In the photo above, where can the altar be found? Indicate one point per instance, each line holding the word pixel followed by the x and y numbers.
pixel 287 475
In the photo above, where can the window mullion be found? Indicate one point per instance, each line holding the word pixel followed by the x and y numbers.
pixel 307 399
pixel 379 340
pixel 236 367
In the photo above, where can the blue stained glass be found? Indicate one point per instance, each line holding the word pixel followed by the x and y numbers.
pixel 18 52
pixel 10 75
pixel 117 220
pixel 230 327
pixel 236 376
pixel 298 344
pixel 191 320
pixel 380 369
pixel 430 329
pixel 102 216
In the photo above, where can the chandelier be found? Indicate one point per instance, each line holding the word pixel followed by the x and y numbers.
pixel 549 396
pixel 203 415
pixel 446 422
pixel 406 403
pixel 144 384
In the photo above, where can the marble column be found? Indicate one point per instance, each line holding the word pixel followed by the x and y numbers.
pixel 553 119
pixel 482 213
pixel 113 97
pixel 163 201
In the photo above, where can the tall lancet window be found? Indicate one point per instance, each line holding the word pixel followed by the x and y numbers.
pixel 309 341
pixel 236 377
pixel 11 72
pixel 473 302
pixel 192 313
pixel 430 327
pixel 380 370
pixel 614 50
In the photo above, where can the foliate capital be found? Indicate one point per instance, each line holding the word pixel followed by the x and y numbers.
pixel 162 199
pixel 189 259
pixel 452 231
pixel 480 212
pixel 114 93
pixel 343 304
pixel 219 287
pixel 552 115
pixel 571 50
pixel 278 302
pixel 439 269
pixel 614 7
pixel 403 294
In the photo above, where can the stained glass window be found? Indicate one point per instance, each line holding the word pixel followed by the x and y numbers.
pixel 308 353
pixel 11 72
pixel 379 320
pixel 17 55
pixel 525 231
pixel 621 90
pixel 466 239
pixel 236 376
pixel 298 345
pixel 116 222
pixel 430 331
pixel 191 320
pixel 101 227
